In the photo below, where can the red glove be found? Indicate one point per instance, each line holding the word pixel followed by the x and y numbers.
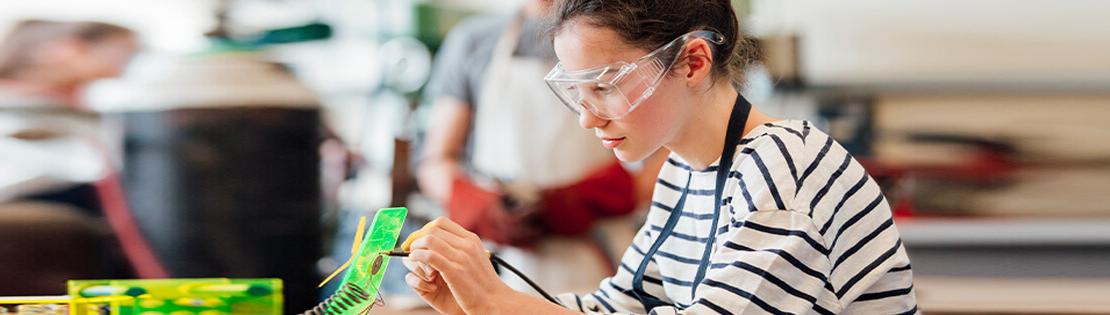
pixel 571 210
pixel 478 210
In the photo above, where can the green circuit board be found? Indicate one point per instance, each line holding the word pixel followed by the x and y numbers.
pixel 369 264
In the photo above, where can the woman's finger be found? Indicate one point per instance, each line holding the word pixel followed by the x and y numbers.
pixel 417 266
pixel 454 228
pixel 451 246
pixel 434 259
pixel 442 242
pixel 410 264
pixel 420 286
pixel 458 251
pixel 420 269
pixel 439 224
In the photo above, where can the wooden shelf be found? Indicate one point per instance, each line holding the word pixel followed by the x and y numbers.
pixel 1004 231
pixel 951 296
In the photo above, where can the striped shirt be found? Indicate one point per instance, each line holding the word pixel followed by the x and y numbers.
pixel 803 229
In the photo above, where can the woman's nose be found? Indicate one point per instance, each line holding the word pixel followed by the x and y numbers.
pixel 588 120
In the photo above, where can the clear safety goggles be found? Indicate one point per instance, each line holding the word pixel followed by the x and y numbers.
pixel 614 90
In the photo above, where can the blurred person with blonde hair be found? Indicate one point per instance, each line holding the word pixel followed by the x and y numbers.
pixel 48 63
pixel 53 151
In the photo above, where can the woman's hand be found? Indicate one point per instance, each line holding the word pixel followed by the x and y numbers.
pixel 431 287
pixel 461 278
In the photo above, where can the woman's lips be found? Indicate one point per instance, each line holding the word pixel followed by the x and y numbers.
pixel 611 143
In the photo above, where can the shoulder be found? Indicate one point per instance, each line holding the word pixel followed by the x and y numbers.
pixel 771 162
pixel 461 60
pixel 475 33
pixel 781 144
pixel 787 134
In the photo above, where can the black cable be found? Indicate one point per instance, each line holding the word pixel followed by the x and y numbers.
pixel 499 261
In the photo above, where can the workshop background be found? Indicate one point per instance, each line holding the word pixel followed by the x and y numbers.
pixel 251 132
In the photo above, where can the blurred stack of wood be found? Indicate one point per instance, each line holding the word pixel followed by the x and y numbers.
pixel 998 154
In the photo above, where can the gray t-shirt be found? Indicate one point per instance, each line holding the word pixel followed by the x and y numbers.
pixel 461 63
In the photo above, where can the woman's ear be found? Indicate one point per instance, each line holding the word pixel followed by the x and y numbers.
pixel 697 59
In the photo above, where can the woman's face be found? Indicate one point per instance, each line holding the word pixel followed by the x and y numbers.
pixel 653 123
pixel 82 62
pixel 108 57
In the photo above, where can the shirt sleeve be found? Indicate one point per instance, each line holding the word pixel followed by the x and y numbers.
pixel 450 71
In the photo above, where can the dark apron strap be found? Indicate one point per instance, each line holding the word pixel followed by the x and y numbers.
pixel 649 302
pixel 736 123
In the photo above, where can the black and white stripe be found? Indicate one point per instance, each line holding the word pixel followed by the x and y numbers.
pixel 807 232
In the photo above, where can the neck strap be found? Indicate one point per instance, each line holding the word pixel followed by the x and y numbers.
pixel 736 123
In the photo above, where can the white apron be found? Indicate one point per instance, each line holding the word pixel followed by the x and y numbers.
pixel 523 136
pixel 528 141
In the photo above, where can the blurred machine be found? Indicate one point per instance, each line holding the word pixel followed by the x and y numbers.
pixel 222 167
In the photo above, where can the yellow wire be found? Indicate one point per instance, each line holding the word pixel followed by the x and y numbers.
pixel 354 249
pixel 333 274
pixel 359 234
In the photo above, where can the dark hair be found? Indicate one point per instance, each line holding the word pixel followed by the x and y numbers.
pixel 17 48
pixel 650 24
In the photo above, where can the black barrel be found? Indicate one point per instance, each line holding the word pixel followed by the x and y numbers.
pixel 229 192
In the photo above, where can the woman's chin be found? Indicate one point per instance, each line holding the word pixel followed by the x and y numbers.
pixel 629 156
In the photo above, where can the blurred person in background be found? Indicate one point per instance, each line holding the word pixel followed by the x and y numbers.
pixel 43 68
pixel 504 160
pixel 53 150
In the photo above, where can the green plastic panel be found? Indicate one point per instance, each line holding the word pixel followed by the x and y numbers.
pixel 369 265
pixel 213 296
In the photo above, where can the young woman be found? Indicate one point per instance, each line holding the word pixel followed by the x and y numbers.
pixel 750 215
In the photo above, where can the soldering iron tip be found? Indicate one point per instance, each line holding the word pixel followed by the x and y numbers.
pixel 396 253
